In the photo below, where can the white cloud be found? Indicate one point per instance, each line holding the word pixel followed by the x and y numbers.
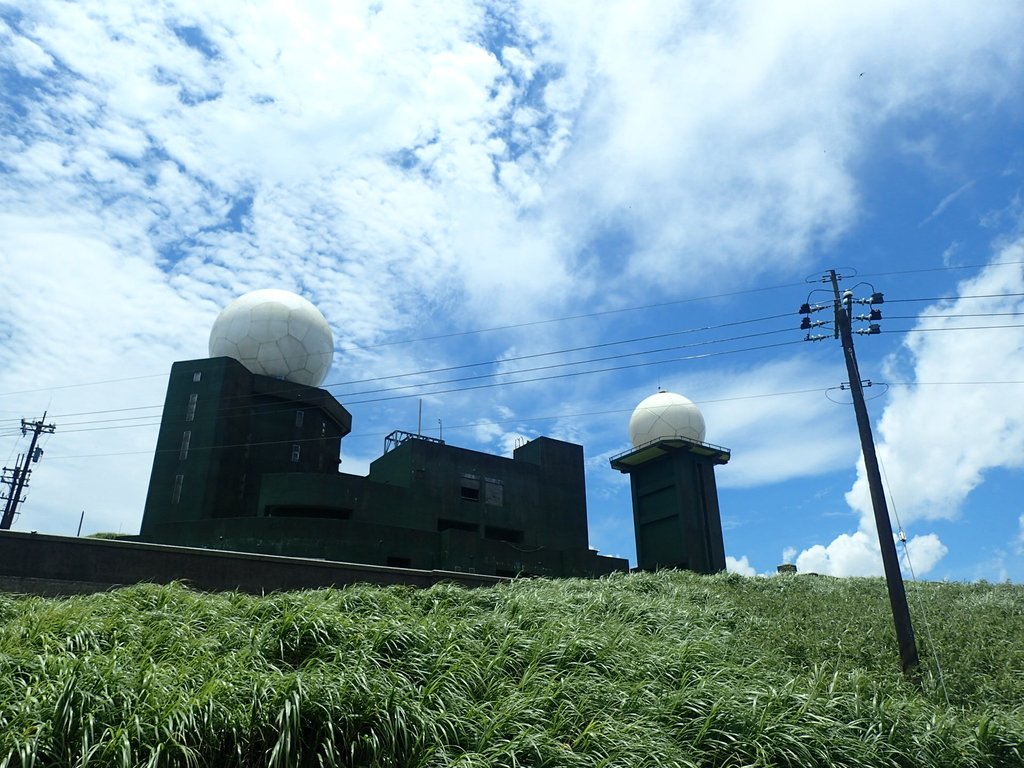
pixel 937 440
pixel 857 554
pixel 938 436
pixel 853 554
pixel 923 553
pixel 744 416
pixel 741 566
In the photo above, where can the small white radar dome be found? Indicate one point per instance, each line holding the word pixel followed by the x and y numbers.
pixel 663 416
pixel 275 333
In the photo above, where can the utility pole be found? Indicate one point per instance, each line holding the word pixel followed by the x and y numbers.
pixel 17 477
pixel 890 561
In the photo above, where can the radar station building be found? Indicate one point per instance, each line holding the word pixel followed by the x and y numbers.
pixel 248 456
pixel 672 479
pixel 248 462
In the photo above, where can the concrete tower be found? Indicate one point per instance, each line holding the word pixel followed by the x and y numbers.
pixel 672 476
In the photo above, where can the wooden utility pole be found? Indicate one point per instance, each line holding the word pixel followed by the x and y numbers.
pixel 18 477
pixel 890 560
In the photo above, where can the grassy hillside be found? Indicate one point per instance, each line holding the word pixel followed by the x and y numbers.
pixel 668 669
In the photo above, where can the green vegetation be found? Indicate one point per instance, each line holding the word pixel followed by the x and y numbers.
pixel 668 669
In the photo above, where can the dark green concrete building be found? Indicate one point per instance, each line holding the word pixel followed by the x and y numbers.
pixel 675 504
pixel 250 463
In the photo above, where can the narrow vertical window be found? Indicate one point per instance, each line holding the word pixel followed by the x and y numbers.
pixel 176 491
pixel 197 376
pixel 300 416
pixel 186 438
pixel 296 450
pixel 190 410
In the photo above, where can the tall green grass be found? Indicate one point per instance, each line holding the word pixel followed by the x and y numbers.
pixel 667 669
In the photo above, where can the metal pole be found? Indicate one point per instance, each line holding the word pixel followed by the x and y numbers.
pixel 20 477
pixel 890 560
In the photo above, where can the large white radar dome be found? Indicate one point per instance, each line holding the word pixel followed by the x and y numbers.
pixel 275 333
pixel 663 416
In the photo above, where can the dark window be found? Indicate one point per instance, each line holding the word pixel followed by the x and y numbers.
pixel 296 452
pixel 176 491
pixel 510 535
pixel 300 416
pixel 470 487
pixel 444 524
pixel 197 376
pixel 190 410
pixel 186 438
pixel 399 562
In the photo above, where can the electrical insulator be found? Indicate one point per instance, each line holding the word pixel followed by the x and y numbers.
pixel 870 330
pixel 876 314
pixel 805 309
pixel 877 298
pixel 805 324
pixel 37 454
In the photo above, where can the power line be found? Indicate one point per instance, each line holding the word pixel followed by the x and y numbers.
pixel 955 298
pixel 454 334
pixel 578 373
pixel 223 411
pixel 587 315
pixel 505 373
pixel 286 387
pixel 942 269
pixel 567 318
pixel 468 425
pixel 568 364
pixel 956 328
pixel 568 350
pixel 593 346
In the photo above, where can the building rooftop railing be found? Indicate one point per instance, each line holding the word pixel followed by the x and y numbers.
pixel 400 436
pixel 662 445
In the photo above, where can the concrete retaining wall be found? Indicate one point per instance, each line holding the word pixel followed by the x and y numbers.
pixel 43 564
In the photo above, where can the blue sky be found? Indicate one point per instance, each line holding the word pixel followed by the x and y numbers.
pixel 497 183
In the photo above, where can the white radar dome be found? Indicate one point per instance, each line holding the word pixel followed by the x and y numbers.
pixel 665 415
pixel 275 333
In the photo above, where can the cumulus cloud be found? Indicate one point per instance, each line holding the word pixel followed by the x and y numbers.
pixel 853 554
pixel 951 419
pixel 932 463
pixel 857 554
pixel 923 553
pixel 741 566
